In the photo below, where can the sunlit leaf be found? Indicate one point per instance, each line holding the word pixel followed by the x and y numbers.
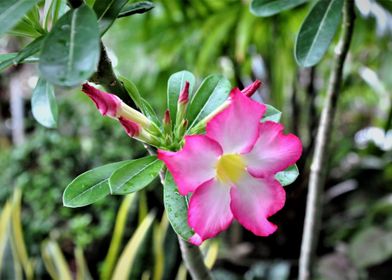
pixel 288 176
pixel 317 32
pixel 12 11
pixel 266 8
pixel 135 175
pixel 44 105
pixel 71 50
pixel 175 84
pixel 54 261
pixel 90 186
pixel 212 92
pixel 176 208
pixel 128 257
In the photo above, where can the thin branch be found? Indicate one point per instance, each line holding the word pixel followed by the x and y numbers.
pixel 317 175
pixel 105 76
pixel 193 260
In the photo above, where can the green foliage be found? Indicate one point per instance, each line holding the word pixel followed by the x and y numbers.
pixel 271 114
pixel 176 208
pixel 71 50
pixel 287 176
pixel 136 8
pixel 12 11
pixel 266 8
pixel 317 32
pixel 90 186
pixel 107 11
pixel 43 104
pixel 213 91
pixel 134 175
pixel 174 87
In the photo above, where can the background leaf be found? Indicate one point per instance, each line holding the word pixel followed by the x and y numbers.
pixel 317 32
pixel 176 208
pixel 212 92
pixel 90 186
pixel 288 176
pixel 71 50
pixel 135 175
pixel 43 104
pixel 107 12
pixel 175 85
pixel 12 11
pixel 272 114
pixel 136 8
pixel 266 8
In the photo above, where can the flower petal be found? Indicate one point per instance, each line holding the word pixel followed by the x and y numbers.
pixel 273 151
pixel 236 127
pixel 107 103
pixel 194 164
pixel 131 128
pixel 209 210
pixel 253 200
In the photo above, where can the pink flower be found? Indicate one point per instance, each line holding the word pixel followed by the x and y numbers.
pixel 230 170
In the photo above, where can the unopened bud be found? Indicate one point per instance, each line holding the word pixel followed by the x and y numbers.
pixel 184 95
pixel 252 88
pixel 108 104
pixel 182 104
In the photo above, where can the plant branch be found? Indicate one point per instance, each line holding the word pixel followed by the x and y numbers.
pixel 193 260
pixel 317 174
pixel 105 77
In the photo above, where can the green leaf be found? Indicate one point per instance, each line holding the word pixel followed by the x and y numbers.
pixel 135 175
pixel 71 50
pixel 176 208
pixel 370 247
pixel 266 8
pixel 140 102
pixel 272 114
pixel 174 86
pixel 12 11
pixel 90 186
pixel 136 8
pixel 288 176
pixel 107 11
pixel 54 261
pixel 28 51
pixel 317 32
pixel 43 104
pixel 212 92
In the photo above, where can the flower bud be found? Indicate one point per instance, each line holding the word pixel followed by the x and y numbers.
pixel 182 104
pixel 107 104
pixel 252 88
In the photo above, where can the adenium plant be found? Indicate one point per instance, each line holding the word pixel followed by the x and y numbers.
pixel 229 163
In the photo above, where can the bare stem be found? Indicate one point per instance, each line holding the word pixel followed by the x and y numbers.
pixel 317 173
pixel 193 260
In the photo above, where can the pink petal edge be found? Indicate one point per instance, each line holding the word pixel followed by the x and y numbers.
pixel 107 104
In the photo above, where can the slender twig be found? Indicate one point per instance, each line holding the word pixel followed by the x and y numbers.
pixel 193 260
pixel 106 77
pixel 317 175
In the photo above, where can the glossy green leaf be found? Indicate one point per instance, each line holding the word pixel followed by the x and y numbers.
pixel 212 92
pixel 136 8
pixel 107 11
pixel 90 186
pixel 43 104
pixel 28 51
pixel 175 84
pixel 317 32
pixel 176 208
pixel 140 102
pixel 266 8
pixel 11 11
pixel 71 50
pixel 135 175
pixel 272 114
pixel 288 176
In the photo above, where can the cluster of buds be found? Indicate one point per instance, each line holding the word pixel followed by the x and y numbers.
pixel 135 123
pixel 140 127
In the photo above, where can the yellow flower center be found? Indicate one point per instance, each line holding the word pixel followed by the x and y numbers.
pixel 230 168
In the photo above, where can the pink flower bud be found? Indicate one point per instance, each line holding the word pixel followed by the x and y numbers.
pixel 184 95
pixel 108 104
pixel 166 118
pixel 251 89
pixel 132 128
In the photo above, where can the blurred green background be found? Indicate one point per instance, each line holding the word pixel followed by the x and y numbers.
pixel 204 37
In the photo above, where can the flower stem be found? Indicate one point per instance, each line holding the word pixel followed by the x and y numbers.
pixel 317 173
pixel 193 260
